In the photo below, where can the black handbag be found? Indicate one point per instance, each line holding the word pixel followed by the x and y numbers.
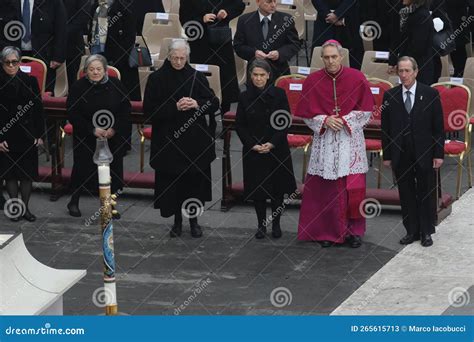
pixel 140 56
pixel 219 35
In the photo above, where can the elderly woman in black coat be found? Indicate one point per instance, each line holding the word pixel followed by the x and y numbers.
pixel 197 18
pixel 262 115
pixel 22 128
pixel 179 103
pixel 97 107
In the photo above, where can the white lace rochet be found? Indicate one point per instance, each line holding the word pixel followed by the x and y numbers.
pixel 339 154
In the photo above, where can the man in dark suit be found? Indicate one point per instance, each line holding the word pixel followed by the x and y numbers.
pixel 78 17
pixel 267 34
pixel 413 145
pixel 42 24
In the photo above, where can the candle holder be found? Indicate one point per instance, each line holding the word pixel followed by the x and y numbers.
pixel 103 157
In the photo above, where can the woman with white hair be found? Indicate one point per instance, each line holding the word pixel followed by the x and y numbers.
pixel 97 107
pixel 21 131
pixel 177 100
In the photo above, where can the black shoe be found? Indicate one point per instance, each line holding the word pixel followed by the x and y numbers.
pixel 426 240
pixel 29 216
pixel 176 230
pixel 276 231
pixel 261 231
pixel 408 239
pixel 325 244
pixel 355 241
pixel 196 231
pixel 74 209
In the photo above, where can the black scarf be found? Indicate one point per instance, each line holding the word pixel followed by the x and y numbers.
pixel 177 83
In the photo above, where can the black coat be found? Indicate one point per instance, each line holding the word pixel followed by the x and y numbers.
pixel 202 52
pixel 182 141
pixel 249 38
pixel 268 174
pixel 21 112
pixel 84 100
pixel 121 37
pixel 142 7
pixel 416 40
pixel 427 126
pixel 78 17
pixel 21 122
pixel 348 35
pixel 48 28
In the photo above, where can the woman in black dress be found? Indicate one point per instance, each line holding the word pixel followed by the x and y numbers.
pixel 196 17
pixel 97 106
pixel 22 126
pixel 178 103
pixel 260 122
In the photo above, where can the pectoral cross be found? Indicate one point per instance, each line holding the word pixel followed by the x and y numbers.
pixel 336 109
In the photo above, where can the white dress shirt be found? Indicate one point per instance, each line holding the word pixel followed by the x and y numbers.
pixel 412 95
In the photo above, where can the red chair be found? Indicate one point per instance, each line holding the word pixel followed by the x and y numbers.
pixel 68 129
pixel 293 85
pixel 37 68
pixel 378 88
pixel 456 101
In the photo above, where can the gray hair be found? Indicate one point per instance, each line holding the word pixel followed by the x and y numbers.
pixel 10 50
pixel 334 44
pixel 178 44
pixel 409 59
pixel 95 58
pixel 260 63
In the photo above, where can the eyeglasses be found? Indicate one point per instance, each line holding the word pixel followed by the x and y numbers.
pixel 178 59
pixel 12 63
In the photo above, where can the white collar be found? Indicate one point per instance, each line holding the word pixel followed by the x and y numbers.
pixel 261 16
pixel 412 89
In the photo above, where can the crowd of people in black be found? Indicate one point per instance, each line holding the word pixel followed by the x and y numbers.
pixel 54 30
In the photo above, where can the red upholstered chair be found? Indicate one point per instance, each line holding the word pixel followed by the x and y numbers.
pixel 293 85
pixel 456 101
pixel 36 68
pixel 378 88
pixel 68 129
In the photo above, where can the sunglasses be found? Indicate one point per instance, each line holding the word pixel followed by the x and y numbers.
pixel 12 63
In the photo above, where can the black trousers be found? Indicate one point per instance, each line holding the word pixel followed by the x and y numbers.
pixel 417 190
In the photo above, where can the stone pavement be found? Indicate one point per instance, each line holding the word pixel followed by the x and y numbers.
pixel 228 271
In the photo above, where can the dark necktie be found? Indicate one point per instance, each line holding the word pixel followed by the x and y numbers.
pixel 265 22
pixel 26 21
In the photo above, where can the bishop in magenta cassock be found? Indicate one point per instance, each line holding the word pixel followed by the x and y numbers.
pixel 336 104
